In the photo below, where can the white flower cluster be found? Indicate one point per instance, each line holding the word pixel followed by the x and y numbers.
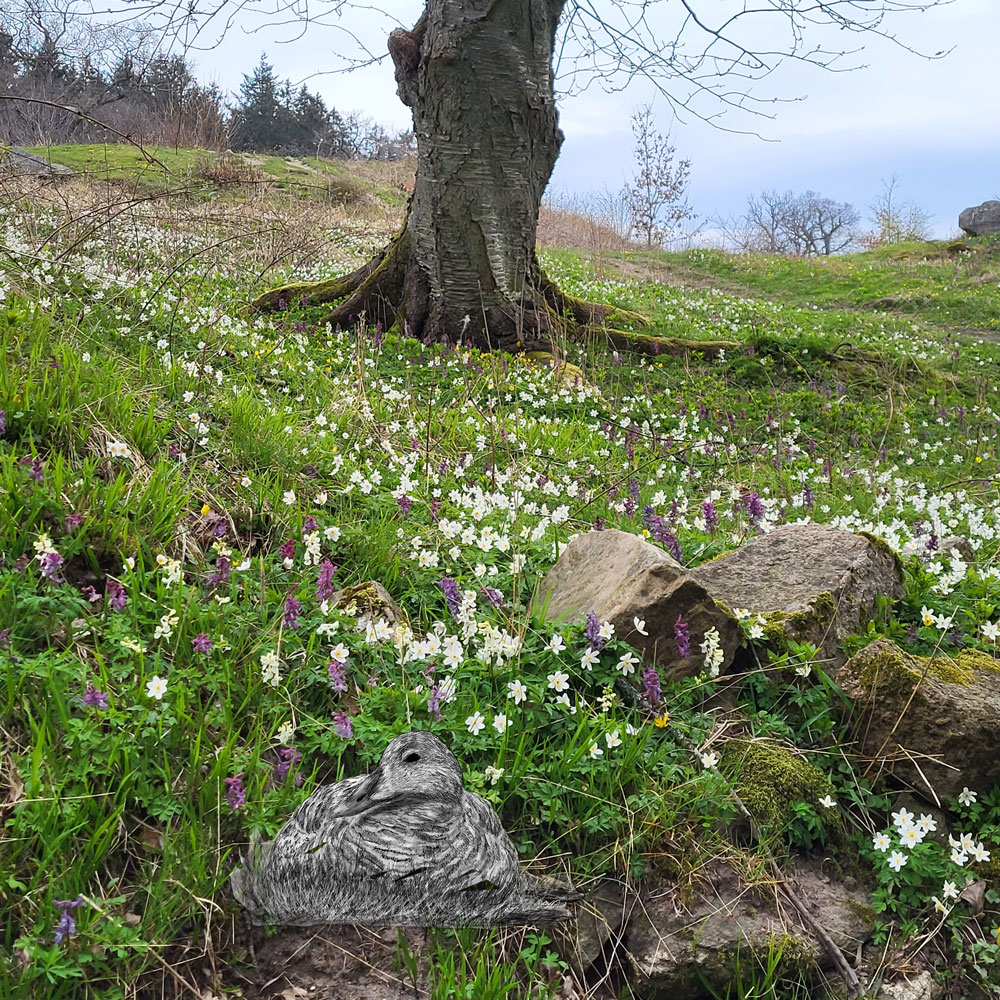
pixel 711 646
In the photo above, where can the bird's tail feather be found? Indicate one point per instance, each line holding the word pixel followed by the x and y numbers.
pixel 245 881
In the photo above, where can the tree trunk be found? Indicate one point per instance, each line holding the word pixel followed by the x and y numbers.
pixel 478 76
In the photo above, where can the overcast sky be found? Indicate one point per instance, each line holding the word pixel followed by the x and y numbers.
pixel 934 123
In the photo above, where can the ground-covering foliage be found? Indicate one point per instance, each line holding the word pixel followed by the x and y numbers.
pixel 185 486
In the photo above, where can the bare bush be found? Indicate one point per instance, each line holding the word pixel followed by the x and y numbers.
pixel 657 195
pixel 895 219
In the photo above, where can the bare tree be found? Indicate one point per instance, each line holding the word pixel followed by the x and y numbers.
pixel 657 195
pixel 895 219
pixel 479 78
pixel 805 224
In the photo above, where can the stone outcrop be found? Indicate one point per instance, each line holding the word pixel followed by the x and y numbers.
pixel 812 583
pixel 916 711
pixel 981 220
pixel 729 927
pixel 621 577
pixel 20 161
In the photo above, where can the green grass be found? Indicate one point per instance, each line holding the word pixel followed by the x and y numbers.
pixel 197 171
pixel 947 284
pixel 209 461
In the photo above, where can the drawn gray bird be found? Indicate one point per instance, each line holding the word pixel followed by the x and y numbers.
pixel 404 845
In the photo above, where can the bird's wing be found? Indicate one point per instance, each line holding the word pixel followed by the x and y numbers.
pixel 483 849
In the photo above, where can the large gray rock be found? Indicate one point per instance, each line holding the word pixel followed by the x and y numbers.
pixel 912 710
pixel 20 161
pixel 729 927
pixel 812 583
pixel 621 577
pixel 982 219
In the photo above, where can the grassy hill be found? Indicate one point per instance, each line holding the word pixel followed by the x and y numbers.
pixel 178 477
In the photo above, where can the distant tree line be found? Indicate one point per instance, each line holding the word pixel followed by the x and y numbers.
pixel 807 224
pixel 53 67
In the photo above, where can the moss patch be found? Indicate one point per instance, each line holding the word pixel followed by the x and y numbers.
pixel 809 624
pixel 887 669
pixel 770 779
pixel 364 599
pixel 884 547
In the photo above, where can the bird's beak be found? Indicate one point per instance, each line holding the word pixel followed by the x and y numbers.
pixel 363 797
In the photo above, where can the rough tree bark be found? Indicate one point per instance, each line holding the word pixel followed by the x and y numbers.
pixel 478 77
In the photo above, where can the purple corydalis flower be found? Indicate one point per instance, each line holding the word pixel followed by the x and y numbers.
pixel 324 580
pixel 754 508
pixel 202 643
pixel 73 521
pixel 115 594
pixel 682 636
pixel 309 524
pixel 92 595
pixel 3 421
pixel 592 633
pixel 434 702
pixel 67 923
pixel 37 470
pixel 404 503
pixel 292 610
pixel 174 450
pixel 493 596
pixel 342 725
pixel 50 563
pixel 451 594
pixel 223 567
pixel 651 686
pixel 711 517
pixel 287 757
pixel 808 497
pixel 287 550
pixel 5 639
pixel 93 698
pixel 236 794
pixel 337 670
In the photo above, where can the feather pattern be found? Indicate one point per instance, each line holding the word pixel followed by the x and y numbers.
pixel 406 844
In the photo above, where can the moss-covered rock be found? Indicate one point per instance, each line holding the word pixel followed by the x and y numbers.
pixel 730 929
pixel 367 601
pixel 912 709
pixel 770 779
pixel 811 583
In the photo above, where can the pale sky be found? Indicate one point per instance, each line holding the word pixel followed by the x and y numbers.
pixel 934 123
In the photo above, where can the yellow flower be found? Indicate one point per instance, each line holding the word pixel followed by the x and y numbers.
pixel 979 458
pixel 205 510
pixel 662 721
pixel 645 533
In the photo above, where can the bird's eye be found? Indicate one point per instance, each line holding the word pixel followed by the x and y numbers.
pixel 411 758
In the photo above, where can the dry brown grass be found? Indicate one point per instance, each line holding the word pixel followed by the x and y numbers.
pixel 564 227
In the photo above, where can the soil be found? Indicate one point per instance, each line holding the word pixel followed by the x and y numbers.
pixel 329 963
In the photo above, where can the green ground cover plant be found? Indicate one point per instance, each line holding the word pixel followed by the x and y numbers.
pixel 185 486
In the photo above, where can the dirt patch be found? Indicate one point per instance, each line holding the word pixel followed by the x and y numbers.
pixel 329 963
pixel 647 269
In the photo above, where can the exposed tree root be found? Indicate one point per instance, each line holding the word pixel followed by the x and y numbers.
pixel 587 314
pixel 624 340
pixel 391 289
